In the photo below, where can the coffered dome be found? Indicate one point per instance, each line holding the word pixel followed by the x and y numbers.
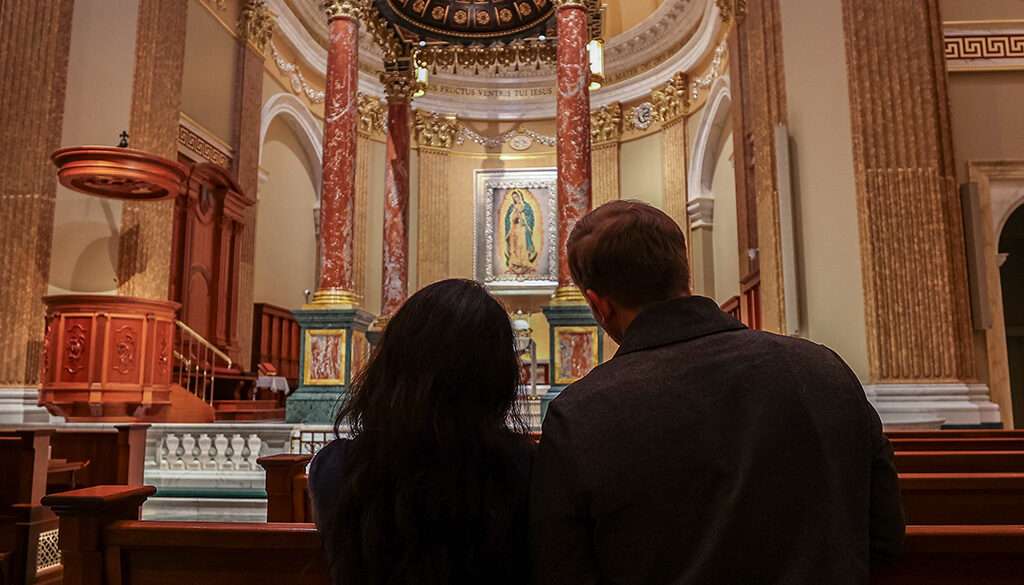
pixel 464 21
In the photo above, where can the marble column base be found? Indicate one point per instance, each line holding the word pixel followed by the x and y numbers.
pixel 334 345
pixel 569 323
pixel 19 406
pixel 948 406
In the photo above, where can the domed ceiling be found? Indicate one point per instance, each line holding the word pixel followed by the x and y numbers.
pixel 469 21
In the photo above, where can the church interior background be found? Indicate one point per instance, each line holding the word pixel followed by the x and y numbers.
pixel 848 171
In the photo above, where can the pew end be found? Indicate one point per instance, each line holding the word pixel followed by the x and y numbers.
pixel 103 542
pixel 287 487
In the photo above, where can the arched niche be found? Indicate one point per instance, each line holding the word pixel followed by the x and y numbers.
pixel 713 132
pixel 285 249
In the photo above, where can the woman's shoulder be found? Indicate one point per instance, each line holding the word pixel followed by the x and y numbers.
pixel 328 463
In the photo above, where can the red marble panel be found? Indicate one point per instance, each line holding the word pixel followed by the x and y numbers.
pixel 395 285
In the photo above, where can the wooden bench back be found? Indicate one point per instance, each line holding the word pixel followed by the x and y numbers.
pixel 963 498
pixel 115 457
pixel 960 461
pixel 960 433
pixel 23 461
pixel 960 444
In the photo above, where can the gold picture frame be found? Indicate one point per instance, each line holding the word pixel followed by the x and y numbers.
pixel 336 377
pixel 556 370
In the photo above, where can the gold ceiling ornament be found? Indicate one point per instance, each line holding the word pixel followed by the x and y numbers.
pixel 384 34
pixel 671 100
pixel 569 4
pixel 373 114
pixel 606 123
pixel 454 58
pixel 350 9
pixel 256 24
pixel 435 130
pixel 399 86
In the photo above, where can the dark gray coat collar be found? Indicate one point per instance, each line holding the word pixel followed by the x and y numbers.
pixel 674 321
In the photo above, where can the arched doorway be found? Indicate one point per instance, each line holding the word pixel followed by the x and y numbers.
pixel 1011 276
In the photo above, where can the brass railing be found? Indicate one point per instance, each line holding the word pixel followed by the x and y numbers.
pixel 197 359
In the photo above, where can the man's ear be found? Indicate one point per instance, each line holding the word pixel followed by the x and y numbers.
pixel 602 309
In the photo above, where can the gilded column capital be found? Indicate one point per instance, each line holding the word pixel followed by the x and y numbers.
pixel 606 124
pixel 436 131
pixel 731 9
pixel 256 23
pixel 671 101
pixel 373 114
pixel 398 85
pixel 558 4
pixel 350 9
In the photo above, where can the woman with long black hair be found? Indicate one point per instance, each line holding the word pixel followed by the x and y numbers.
pixel 432 487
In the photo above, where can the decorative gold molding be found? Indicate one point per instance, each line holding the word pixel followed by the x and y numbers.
pixel 398 85
pixel 202 148
pixel 436 131
pixel 731 9
pixel 509 57
pixel 350 9
pixel 606 124
pixel 984 51
pixel 384 34
pixel 671 101
pixel 256 23
pixel 373 114
pixel 558 4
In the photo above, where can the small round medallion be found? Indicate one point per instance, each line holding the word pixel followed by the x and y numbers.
pixel 520 142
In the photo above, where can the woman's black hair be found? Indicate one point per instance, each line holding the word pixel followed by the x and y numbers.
pixel 426 496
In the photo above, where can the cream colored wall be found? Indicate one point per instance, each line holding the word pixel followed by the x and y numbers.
pixel 825 201
pixel 724 233
pixel 982 9
pixel 640 171
pixel 285 236
pixel 986 109
pixel 208 80
pixel 99 90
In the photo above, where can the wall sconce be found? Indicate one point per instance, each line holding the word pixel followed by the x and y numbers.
pixel 595 49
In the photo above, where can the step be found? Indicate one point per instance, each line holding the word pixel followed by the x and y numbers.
pixel 238 405
pixel 251 415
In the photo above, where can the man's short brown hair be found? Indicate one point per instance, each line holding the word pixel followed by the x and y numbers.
pixel 630 252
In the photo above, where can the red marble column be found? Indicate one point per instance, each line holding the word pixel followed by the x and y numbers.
pixel 337 198
pixel 574 188
pixel 399 87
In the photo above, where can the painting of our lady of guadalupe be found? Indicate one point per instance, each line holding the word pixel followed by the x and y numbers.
pixel 516 230
pixel 521 240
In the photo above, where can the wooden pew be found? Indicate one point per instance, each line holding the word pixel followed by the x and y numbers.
pixel 959 444
pixel 963 498
pixel 957 434
pixel 287 488
pixel 104 543
pixel 960 461
pixel 36 462
pixel 956 555
pixel 23 520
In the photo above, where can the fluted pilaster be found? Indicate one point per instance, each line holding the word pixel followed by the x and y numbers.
pixel 35 40
pixel 911 234
pixel 434 135
pixel 144 263
pixel 605 133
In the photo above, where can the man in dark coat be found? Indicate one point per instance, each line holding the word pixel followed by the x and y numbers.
pixel 703 452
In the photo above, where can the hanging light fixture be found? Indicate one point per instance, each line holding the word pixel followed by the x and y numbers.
pixel 595 49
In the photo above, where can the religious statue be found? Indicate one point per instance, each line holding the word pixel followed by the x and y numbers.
pixel 520 223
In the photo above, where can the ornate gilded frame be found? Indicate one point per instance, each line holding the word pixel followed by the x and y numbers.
pixel 307 350
pixel 543 182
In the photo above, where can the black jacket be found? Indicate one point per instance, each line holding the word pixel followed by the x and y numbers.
pixel 708 453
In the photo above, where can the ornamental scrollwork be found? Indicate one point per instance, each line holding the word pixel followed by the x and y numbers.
pixel 606 123
pixel 75 349
pixel 373 114
pixel 731 9
pixel 398 85
pixel 124 349
pixel 351 9
pixel 436 131
pixel 256 23
pixel 671 100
